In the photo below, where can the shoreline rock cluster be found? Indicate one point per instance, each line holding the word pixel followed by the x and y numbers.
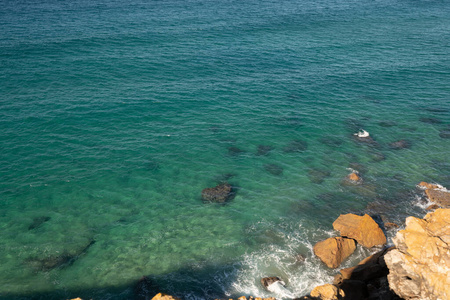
pixel 416 268
pixel 354 230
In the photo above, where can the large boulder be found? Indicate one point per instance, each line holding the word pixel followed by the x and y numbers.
pixel 219 193
pixel 436 193
pixel 363 229
pixel 333 251
pixel 327 292
pixel 420 266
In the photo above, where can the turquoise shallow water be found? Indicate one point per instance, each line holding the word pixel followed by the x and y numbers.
pixel 114 116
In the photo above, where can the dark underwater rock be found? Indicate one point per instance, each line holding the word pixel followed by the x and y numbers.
pixel 365 140
pixel 220 193
pixel 37 222
pixel 63 260
pixel 331 141
pixel 296 146
pixel 234 151
pixel 273 169
pixel 401 144
pixel 387 123
pixel 152 166
pixel 214 129
pixel 264 149
pixel 317 175
pixel 224 177
pixel 430 120
pixel 377 156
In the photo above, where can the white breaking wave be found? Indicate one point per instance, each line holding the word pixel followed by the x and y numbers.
pixel 280 260
pixel 362 133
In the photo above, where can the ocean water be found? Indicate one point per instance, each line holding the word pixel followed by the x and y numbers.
pixel 115 115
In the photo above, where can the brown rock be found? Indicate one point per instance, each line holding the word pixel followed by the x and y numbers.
pixel 219 193
pixel 353 177
pixel 333 251
pixel 162 296
pixel 432 207
pixel 267 281
pixel 390 225
pixel 439 196
pixel 427 185
pixel 327 292
pixel 420 266
pixel 363 229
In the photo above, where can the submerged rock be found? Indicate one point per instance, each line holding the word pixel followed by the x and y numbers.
pixel 220 193
pixel 401 144
pixel 62 260
pixel 430 120
pixel 235 151
pixel 152 166
pixel 37 222
pixel 363 229
pixel 333 251
pixel 264 149
pixel 317 175
pixel 296 146
pixel 377 156
pixel 331 141
pixel 273 169
pixel 419 267
pixel 387 123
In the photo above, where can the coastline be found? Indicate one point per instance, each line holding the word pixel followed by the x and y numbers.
pixel 381 275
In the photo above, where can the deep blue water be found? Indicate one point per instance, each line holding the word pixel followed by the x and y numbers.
pixel 115 115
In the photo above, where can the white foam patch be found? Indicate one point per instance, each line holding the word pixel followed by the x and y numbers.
pixel 422 202
pixel 280 260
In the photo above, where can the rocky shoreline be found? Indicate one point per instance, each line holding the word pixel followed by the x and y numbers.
pixel 416 267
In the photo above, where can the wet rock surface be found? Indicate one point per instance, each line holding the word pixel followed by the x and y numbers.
pixel 268 281
pixel 437 194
